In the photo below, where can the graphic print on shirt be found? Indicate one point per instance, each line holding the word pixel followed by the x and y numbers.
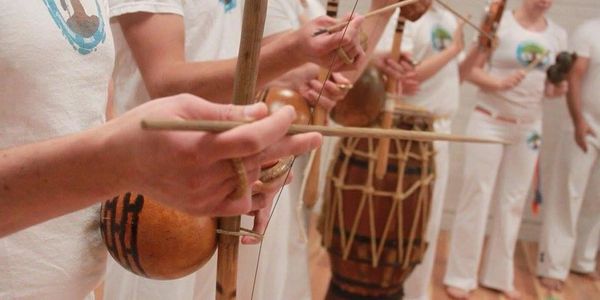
pixel 80 21
pixel 440 38
pixel 529 51
pixel 229 5
pixel 534 141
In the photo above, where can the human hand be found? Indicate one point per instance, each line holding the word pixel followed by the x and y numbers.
pixel 582 130
pixel 265 192
pixel 193 171
pixel 324 48
pixel 552 90
pixel 458 38
pixel 511 81
pixel 325 94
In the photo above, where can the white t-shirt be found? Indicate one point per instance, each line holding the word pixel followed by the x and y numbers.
pixel 517 48
pixel 424 38
pixel 217 21
pixel 283 15
pixel 586 44
pixel 55 74
pixel 213 30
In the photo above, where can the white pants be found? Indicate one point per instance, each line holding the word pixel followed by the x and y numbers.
pixel 418 282
pixel 495 173
pixel 282 274
pixel 571 210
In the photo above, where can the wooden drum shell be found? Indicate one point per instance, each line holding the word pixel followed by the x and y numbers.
pixel 371 263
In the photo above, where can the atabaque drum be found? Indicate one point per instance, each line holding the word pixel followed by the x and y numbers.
pixel 374 229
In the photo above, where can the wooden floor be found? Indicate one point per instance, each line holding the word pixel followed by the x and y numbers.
pixel 576 287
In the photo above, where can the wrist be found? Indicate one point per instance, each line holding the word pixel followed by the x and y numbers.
pixel 113 164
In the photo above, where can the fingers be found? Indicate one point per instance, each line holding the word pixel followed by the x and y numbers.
pixel 197 108
pixel 287 146
pixel 251 138
pixel 261 218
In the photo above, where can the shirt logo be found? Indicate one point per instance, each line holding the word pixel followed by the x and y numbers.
pixel 440 38
pixel 229 5
pixel 534 141
pixel 528 52
pixel 82 25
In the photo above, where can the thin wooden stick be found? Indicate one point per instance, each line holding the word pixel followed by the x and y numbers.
pixel 533 64
pixel 254 16
pixel 465 19
pixel 358 132
pixel 339 26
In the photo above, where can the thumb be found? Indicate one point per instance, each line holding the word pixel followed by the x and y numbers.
pixel 591 132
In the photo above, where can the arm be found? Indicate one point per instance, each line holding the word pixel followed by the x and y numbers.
pixel 582 129
pixel 49 179
pixel 160 54
pixel 430 66
pixel 476 57
pixel 490 83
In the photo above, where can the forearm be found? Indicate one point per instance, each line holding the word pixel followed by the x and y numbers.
pixel 574 99
pixel 475 58
pixel 483 80
pixel 48 179
pixel 214 79
pixel 374 27
pixel 430 66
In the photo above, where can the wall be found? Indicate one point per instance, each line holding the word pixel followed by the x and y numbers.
pixel 567 13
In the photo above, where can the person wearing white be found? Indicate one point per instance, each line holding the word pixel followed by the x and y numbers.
pixel 435 41
pixel 509 108
pixel 212 21
pixel 571 208
pixel 212 32
pixel 56 59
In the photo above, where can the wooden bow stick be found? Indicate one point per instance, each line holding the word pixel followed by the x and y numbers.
pixel 255 12
pixel 339 26
pixel 465 19
pixel 311 186
pixel 357 132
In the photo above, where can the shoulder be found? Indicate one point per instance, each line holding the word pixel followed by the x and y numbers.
pixel 588 27
pixel 556 30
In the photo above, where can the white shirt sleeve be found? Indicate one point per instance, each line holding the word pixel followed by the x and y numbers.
pixel 581 41
pixel 121 7
pixel 282 15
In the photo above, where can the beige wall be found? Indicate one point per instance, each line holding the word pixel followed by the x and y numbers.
pixel 567 13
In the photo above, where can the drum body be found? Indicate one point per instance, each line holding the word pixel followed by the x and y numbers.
pixel 374 229
pixel 155 241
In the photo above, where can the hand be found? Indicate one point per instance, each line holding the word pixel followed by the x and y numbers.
pixel 556 90
pixel 265 192
pixel 511 81
pixel 458 38
pixel 394 69
pixel 192 171
pixel 323 49
pixel 330 93
pixel 582 130
pixel 303 80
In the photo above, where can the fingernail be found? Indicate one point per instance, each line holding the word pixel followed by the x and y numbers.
pixel 254 111
pixel 290 110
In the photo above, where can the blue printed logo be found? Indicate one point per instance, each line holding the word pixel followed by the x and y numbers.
pixel 528 52
pixel 440 38
pixel 84 32
pixel 534 140
pixel 228 4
